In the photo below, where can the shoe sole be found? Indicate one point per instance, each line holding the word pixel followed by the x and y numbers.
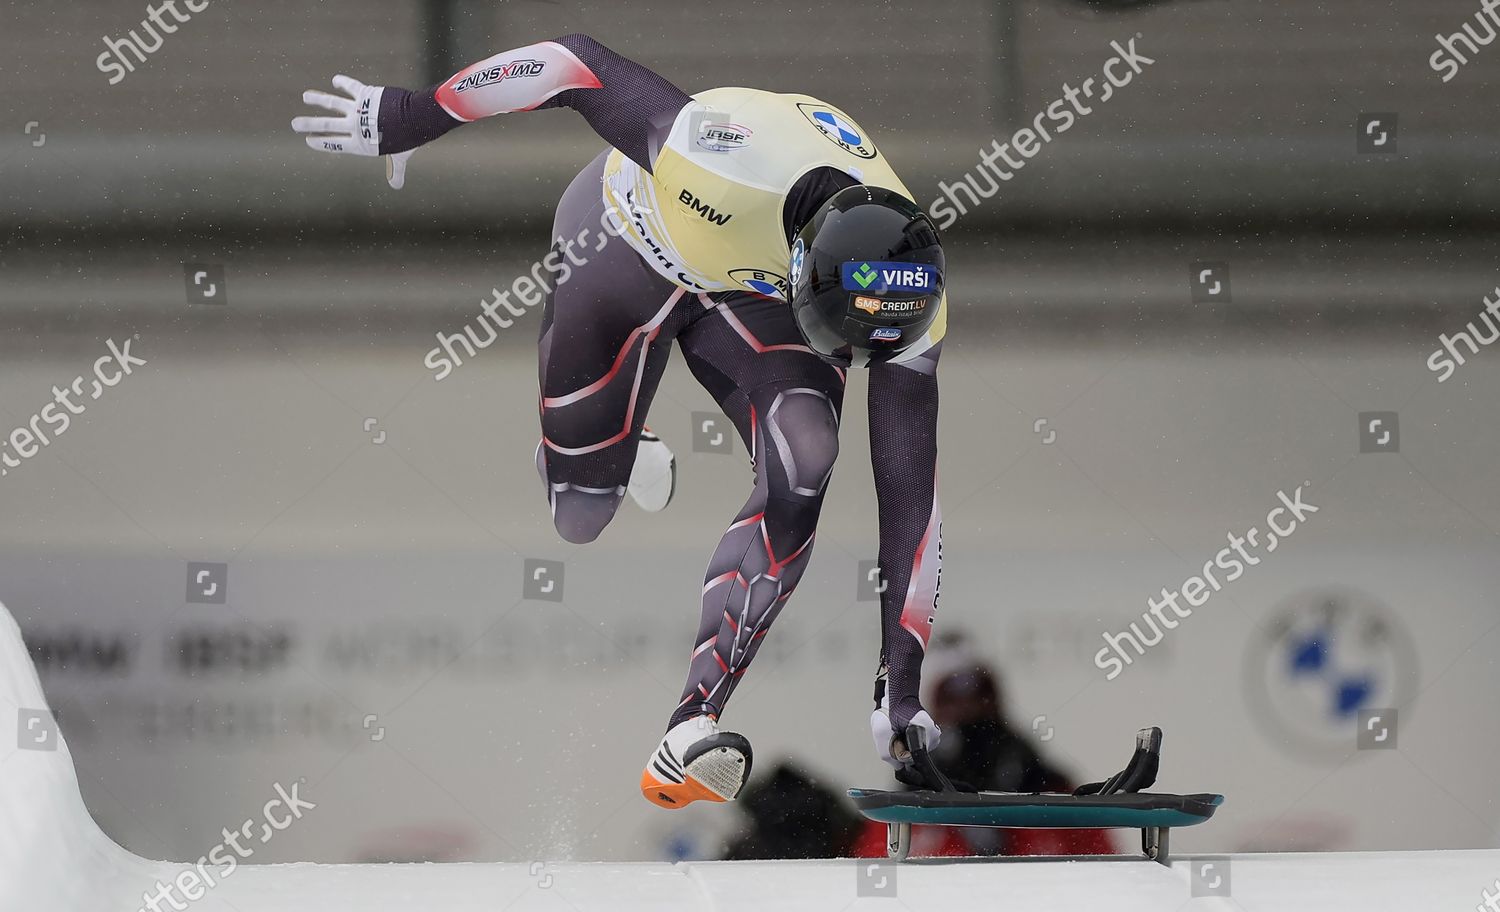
pixel 715 770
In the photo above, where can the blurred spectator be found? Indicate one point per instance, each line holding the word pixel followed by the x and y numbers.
pixel 980 747
pixel 792 815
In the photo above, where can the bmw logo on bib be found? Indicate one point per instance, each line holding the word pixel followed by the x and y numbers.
pixel 839 129
pixel 839 125
pixel 761 282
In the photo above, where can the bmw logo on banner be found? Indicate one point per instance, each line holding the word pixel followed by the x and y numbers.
pixel 1318 660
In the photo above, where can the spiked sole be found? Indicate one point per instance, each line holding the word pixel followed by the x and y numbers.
pixel 715 769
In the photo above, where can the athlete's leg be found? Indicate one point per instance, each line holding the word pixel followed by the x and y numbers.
pixel 786 403
pixel 605 339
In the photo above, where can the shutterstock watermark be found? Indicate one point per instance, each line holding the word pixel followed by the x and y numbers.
pixel 1489 899
pixel 1447 360
pixel 114 59
pixel 1026 142
pixel 1196 590
pixel 1447 59
pixel 195 882
pixel 530 289
pixel 28 439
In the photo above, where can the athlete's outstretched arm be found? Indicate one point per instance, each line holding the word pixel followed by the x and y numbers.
pixel 903 447
pixel 628 105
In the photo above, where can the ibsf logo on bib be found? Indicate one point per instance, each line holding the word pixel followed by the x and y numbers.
pixel 881 278
pixel 723 137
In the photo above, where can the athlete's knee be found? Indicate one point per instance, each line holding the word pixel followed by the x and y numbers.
pixel 816 452
pixel 579 512
pixel 580 515
pixel 803 430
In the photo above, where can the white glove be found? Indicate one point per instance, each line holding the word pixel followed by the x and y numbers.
pixel 890 746
pixel 356 129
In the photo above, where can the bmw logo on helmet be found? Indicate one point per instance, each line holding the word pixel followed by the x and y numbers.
pixel 799 251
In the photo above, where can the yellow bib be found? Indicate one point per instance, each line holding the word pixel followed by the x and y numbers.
pixel 709 217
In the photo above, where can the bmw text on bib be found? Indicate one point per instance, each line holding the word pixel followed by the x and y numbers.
pixel 881 278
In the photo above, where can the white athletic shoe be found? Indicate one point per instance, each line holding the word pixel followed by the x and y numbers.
pixel 696 762
pixel 653 478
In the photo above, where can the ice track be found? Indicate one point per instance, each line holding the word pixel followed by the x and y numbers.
pixel 54 859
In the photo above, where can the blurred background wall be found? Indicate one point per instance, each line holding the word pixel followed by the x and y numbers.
pixel 1107 422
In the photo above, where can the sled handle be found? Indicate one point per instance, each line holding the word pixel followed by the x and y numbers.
pixel 916 742
pixel 1138 774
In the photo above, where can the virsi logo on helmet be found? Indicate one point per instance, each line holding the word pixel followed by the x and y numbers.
pixel 880 278
pixel 885 334
pixel 513 70
pixel 723 137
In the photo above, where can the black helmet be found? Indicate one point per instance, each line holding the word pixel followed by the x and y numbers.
pixel 866 276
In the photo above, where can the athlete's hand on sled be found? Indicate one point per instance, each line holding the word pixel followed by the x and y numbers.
pixel 355 127
pixel 891 746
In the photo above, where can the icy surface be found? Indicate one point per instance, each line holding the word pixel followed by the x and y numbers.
pixel 54 859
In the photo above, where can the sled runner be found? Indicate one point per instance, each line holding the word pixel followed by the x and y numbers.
pixel 1117 802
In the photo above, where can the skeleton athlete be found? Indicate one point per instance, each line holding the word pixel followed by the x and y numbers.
pixel 768 237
